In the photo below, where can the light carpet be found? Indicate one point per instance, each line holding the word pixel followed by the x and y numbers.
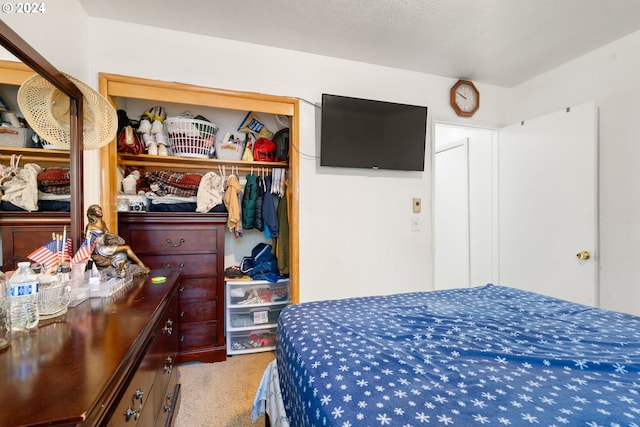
pixel 221 394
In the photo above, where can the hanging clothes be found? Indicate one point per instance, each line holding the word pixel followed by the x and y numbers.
pixel 22 189
pixel 249 201
pixel 258 222
pixel 269 210
pixel 239 231
pixel 231 202
pixel 210 192
pixel 282 241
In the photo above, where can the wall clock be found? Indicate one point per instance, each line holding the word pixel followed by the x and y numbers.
pixel 465 98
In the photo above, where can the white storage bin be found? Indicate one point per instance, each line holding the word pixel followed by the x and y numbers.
pixel 252 311
pixel 251 341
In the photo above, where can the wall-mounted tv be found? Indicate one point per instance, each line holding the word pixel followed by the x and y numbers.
pixel 364 133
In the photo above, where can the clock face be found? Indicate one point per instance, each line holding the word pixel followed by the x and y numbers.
pixel 465 98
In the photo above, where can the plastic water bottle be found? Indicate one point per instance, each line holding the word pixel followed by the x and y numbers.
pixel 5 316
pixel 23 298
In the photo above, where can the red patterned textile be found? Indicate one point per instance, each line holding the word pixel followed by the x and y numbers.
pixel 54 176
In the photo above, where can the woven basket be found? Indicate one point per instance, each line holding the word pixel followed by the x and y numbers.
pixel 190 137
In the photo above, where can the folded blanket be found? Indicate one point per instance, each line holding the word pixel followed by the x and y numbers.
pixel 55 189
pixel 54 176
pixel 189 181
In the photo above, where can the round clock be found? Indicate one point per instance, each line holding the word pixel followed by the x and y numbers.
pixel 465 98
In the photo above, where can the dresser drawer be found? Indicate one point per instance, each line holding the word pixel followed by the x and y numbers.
pixel 199 335
pixel 198 288
pixel 164 397
pixel 174 239
pixel 197 311
pixel 191 265
pixel 136 407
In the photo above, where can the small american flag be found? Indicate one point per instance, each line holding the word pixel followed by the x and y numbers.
pixel 52 253
pixel 85 251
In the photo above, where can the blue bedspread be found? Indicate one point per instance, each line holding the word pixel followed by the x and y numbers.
pixel 489 355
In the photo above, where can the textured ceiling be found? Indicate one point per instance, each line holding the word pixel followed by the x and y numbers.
pixel 501 42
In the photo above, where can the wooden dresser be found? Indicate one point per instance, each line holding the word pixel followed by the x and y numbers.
pixel 23 232
pixel 194 244
pixel 106 362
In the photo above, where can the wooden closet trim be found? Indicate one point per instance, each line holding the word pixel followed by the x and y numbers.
pixel 113 86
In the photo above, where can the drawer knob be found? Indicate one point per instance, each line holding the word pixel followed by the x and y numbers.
pixel 175 245
pixel 138 395
pixel 167 265
pixel 131 413
pixel 167 330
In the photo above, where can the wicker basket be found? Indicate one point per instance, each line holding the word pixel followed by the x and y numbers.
pixel 190 137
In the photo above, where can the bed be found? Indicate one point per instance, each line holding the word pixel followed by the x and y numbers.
pixel 487 355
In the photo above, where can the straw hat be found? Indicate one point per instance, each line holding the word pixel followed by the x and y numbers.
pixel 46 109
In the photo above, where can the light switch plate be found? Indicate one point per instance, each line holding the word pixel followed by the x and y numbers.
pixel 415 223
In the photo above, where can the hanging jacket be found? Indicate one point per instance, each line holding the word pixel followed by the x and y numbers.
pixel 231 202
pixel 269 209
pixel 249 202
pixel 282 241
pixel 258 222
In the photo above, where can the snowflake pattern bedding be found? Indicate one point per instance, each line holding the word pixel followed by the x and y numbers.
pixel 488 355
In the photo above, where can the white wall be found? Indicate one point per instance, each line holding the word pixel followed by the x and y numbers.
pixel 609 77
pixel 355 225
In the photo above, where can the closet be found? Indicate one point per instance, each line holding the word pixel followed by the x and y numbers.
pixel 190 241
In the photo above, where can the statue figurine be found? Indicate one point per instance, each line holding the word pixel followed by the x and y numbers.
pixel 110 250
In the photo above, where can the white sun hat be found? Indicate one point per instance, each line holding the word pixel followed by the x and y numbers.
pixel 46 109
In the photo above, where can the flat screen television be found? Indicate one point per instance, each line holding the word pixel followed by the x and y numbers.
pixel 364 133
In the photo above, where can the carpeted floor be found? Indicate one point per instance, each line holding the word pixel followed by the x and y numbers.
pixel 221 394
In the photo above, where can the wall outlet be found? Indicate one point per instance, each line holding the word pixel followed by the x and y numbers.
pixel 417 204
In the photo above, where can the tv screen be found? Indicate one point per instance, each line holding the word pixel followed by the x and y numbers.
pixel 363 133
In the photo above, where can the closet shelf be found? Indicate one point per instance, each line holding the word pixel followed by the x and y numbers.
pixel 41 156
pixel 193 163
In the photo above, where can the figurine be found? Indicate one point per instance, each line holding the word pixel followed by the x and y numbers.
pixel 110 250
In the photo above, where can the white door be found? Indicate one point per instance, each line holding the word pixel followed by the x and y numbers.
pixel 548 204
pixel 451 216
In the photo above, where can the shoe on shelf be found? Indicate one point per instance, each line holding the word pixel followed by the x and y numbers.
pixel 152 149
pixel 150 144
pixel 157 126
pixel 144 127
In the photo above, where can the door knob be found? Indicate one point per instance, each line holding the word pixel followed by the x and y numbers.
pixel 583 255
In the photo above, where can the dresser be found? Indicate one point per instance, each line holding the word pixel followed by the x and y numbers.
pixel 23 232
pixel 192 243
pixel 105 362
